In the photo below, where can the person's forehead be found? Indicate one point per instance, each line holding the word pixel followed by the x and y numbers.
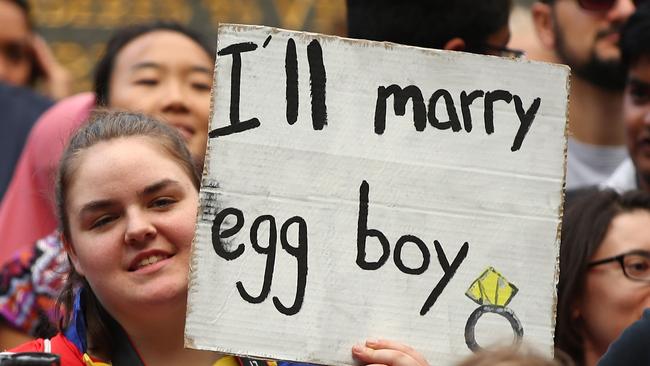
pixel 161 46
pixel 13 21
pixel 627 231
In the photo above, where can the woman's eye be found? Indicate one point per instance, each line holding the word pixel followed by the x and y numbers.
pixel 638 266
pixel 146 82
pixel 201 86
pixel 102 221
pixel 162 202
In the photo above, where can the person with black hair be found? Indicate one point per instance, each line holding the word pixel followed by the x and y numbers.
pixel 459 25
pixel 634 173
pixel 584 35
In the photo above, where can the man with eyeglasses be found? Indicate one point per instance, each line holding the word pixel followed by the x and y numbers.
pixel 584 34
pixel 458 25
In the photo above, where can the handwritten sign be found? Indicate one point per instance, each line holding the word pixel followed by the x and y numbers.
pixel 356 189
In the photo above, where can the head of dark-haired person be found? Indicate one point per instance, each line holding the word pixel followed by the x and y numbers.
pixel 164 70
pixel 460 25
pixel 584 34
pixel 17 63
pixel 604 283
pixel 635 50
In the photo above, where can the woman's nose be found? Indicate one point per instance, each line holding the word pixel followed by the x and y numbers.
pixel 139 228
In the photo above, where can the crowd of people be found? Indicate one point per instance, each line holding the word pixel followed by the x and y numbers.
pixel 73 225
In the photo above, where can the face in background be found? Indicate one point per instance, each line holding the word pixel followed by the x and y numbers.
pixel 15 45
pixel 131 211
pixel 585 40
pixel 636 115
pixel 167 75
pixel 611 301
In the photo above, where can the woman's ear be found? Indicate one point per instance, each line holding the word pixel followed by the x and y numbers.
pixel 576 309
pixel 454 44
pixel 544 24
pixel 67 245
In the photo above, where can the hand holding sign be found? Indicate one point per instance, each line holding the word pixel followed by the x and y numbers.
pixel 389 353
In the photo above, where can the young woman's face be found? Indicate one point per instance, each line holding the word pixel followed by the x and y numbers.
pixel 611 301
pixel 167 75
pixel 131 211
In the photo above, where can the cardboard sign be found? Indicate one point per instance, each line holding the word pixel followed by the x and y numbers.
pixel 360 190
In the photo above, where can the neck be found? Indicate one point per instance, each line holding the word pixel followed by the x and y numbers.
pixel 595 114
pixel 592 352
pixel 158 338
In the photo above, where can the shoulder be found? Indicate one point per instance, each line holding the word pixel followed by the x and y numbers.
pixel 70 355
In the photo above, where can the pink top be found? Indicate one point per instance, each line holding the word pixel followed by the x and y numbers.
pixel 27 209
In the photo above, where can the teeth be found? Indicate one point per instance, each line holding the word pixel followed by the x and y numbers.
pixel 150 260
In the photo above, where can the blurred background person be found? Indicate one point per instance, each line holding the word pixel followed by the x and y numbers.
pixel 512 356
pixel 604 283
pixel 25 58
pixel 584 34
pixel 524 36
pixel 634 172
pixel 460 25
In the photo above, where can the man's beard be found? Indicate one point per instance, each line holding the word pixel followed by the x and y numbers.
pixel 606 74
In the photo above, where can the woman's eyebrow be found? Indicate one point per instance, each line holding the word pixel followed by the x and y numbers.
pixel 158 186
pixel 93 206
pixel 201 69
pixel 145 65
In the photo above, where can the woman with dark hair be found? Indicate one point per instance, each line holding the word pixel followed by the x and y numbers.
pixel 161 69
pixel 604 281
pixel 127 200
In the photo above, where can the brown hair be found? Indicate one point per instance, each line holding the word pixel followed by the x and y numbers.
pixel 513 356
pixel 584 227
pixel 105 126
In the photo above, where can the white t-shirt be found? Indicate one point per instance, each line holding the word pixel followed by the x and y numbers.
pixel 590 165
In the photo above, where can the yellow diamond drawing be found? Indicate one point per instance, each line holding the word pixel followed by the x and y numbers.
pixel 491 288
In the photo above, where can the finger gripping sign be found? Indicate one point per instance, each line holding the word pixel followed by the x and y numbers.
pixel 356 189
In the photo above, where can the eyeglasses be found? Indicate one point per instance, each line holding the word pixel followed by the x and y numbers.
pixel 602 5
pixel 635 264
pixel 489 49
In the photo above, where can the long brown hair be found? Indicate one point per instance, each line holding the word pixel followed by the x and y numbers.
pixel 105 126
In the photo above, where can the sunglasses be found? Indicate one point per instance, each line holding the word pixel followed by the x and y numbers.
pixel 603 5
pixel 15 52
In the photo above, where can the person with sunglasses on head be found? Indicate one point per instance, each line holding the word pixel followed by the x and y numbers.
pixel 584 34
pixel 20 70
pixel 604 283
pixel 459 25
pixel 25 58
